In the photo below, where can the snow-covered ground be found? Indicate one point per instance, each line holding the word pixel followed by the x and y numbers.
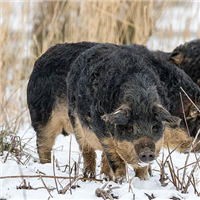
pixel 29 166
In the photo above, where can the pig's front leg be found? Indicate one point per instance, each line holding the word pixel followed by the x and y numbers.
pixel 112 165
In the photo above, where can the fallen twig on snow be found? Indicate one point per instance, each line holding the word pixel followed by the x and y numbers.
pixel 100 192
pixel 48 190
pixel 46 176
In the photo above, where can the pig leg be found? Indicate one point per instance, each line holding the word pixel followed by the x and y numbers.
pixel 45 139
pixel 89 154
pixel 46 134
pixel 142 172
pixel 105 168
pixel 115 162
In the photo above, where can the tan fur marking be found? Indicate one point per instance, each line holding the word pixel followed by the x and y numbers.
pixel 105 167
pixel 109 146
pixel 47 134
pixel 176 137
pixel 61 113
pixel 142 172
pixel 86 137
pixel 159 145
pixel 126 150
pixel 177 59
pixel 88 142
pixel 89 157
pixel 198 82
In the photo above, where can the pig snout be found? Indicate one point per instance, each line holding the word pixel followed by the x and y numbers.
pixel 145 150
pixel 146 155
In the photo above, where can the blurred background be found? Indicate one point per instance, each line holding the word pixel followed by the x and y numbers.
pixel 29 28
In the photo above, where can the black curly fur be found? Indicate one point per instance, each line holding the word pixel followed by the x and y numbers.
pixel 106 76
pixel 48 80
pixel 190 59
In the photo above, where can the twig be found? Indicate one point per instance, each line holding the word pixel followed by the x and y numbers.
pixel 162 172
pixel 172 167
pixel 189 99
pixel 162 167
pixel 150 197
pixel 78 165
pixel 100 192
pixel 194 185
pixel 188 165
pixel 46 176
pixel 11 147
pixel 54 173
pixel 184 114
pixel 129 182
pixel 172 174
pixel 57 164
pixel 189 178
pixel 46 187
pixel 187 158
pixel 24 186
pixel 171 152
pixel 197 159
pixel 68 186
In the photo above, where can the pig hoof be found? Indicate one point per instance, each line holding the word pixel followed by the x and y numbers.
pixel 45 160
pixel 120 180
pixel 87 174
pixel 108 178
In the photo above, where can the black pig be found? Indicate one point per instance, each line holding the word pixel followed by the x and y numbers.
pixel 47 94
pixel 120 99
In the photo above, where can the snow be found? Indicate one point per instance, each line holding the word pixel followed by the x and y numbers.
pixel 152 186
pixel 174 24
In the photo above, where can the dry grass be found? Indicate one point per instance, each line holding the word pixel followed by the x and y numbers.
pixel 115 22
pixel 14 67
pixel 182 178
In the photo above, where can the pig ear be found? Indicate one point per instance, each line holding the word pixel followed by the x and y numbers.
pixel 192 113
pixel 176 57
pixel 163 115
pixel 120 116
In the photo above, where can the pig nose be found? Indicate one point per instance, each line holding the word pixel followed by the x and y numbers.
pixel 146 155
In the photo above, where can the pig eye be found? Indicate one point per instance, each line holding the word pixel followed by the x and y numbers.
pixel 155 128
pixel 130 129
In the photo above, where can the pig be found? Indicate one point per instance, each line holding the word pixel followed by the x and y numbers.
pixel 64 96
pixel 47 94
pixel 125 102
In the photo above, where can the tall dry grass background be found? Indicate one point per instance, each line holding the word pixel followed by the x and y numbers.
pixel 28 29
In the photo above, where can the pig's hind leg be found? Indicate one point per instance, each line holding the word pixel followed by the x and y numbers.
pixel 57 123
